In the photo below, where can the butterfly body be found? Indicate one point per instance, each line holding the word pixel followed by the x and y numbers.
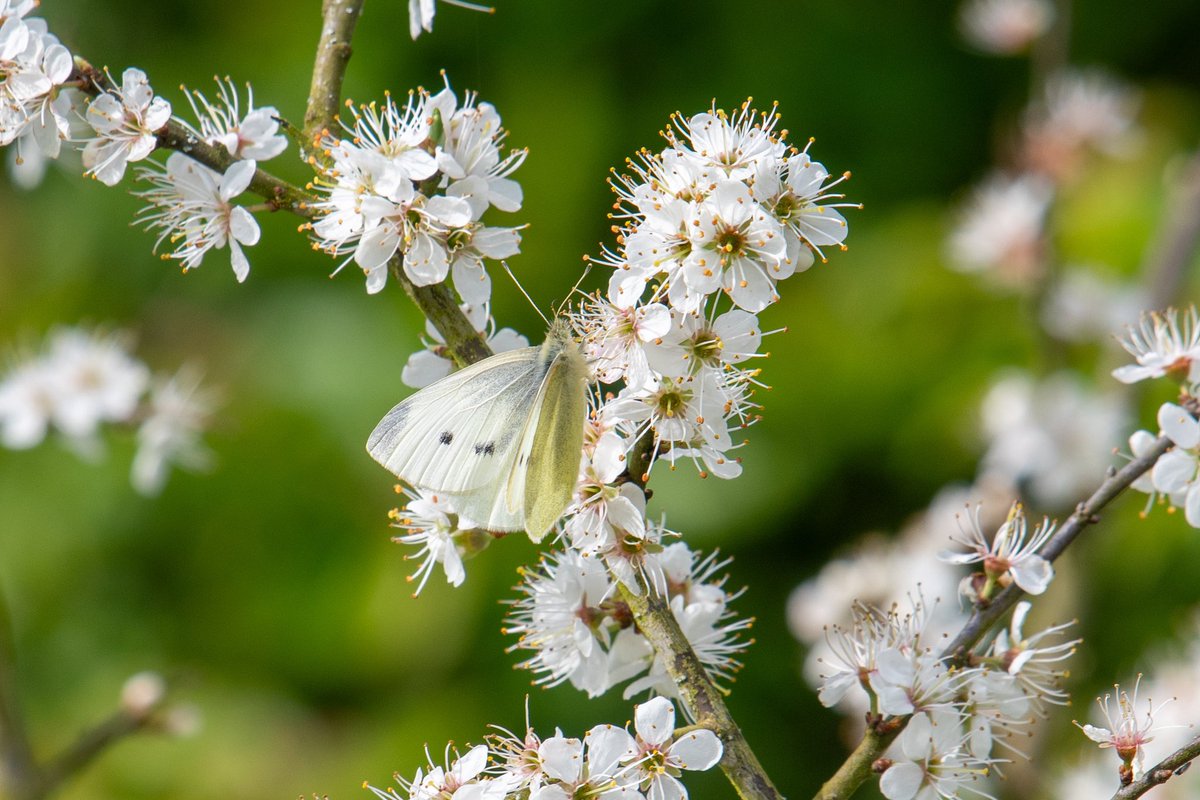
pixel 502 437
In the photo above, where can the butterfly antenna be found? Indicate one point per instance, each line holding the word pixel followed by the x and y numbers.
pixel 508 269
pixel 587 267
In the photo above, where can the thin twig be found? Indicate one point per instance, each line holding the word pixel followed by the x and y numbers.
pixel 18 769
pixel 856 770
pixel 982 619
pixel 280 194
pixel 90 744
pixel 1175 244
pixel 1161 772
pixel 339 17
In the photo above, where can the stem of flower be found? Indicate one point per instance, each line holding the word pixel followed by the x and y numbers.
pixel 1161 772
pixel 17 766
pixel 702 700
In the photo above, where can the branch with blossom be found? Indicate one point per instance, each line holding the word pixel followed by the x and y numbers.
pixel 707 230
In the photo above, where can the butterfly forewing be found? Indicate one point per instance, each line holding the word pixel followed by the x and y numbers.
pixel 462 433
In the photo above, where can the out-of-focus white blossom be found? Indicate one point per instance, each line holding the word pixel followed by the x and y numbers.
pixel 1000 228
pixel 178 411
pixel 82 380
pixel 1082 112
pixel 126 121
pixel 1050 439
pixel 1005 27
pixel 1084 305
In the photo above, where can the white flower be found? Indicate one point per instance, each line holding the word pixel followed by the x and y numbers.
pixel 125 121
pixel 178 411
pixel 27 401
pixel 932 762
pixel 33 67
pixel 615 339
pixel 1127 734
pixel 1175 474
pixel 714 634
pixel 470 148
pixel 1004 27
pixel 253 136
pixel 420 14
pixel 738 145
pixel 1034 665
pixel 677 409
pixel 1009 556
pixel 693 343
pixel 737 247
pixel 96 380
pixel 1163 345
pixel 655 757
pixel 799 196
pixel 376 204
pixel 562 619
pixel 192 204
pixel 432 524
pixel 1000 229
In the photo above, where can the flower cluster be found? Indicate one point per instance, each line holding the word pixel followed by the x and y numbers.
pixel 726 208
pixel 192 205
pixel 958 716
pixel 580 631
pixel 414 181
pixel 1164 345
pixel 83 380
pixel 34 70
pixel 608 761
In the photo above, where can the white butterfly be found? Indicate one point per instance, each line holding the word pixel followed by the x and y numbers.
pixel 502 437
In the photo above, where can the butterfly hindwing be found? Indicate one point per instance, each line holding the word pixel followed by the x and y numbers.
pixel 462 433
pixel 552 470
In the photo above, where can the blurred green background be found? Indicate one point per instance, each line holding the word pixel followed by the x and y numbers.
pixel 267 589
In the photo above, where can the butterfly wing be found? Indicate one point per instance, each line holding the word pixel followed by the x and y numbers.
pixel 552 467
pixel 462 434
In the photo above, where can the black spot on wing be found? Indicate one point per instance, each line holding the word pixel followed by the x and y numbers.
pixel 485 449
pixel 446 438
